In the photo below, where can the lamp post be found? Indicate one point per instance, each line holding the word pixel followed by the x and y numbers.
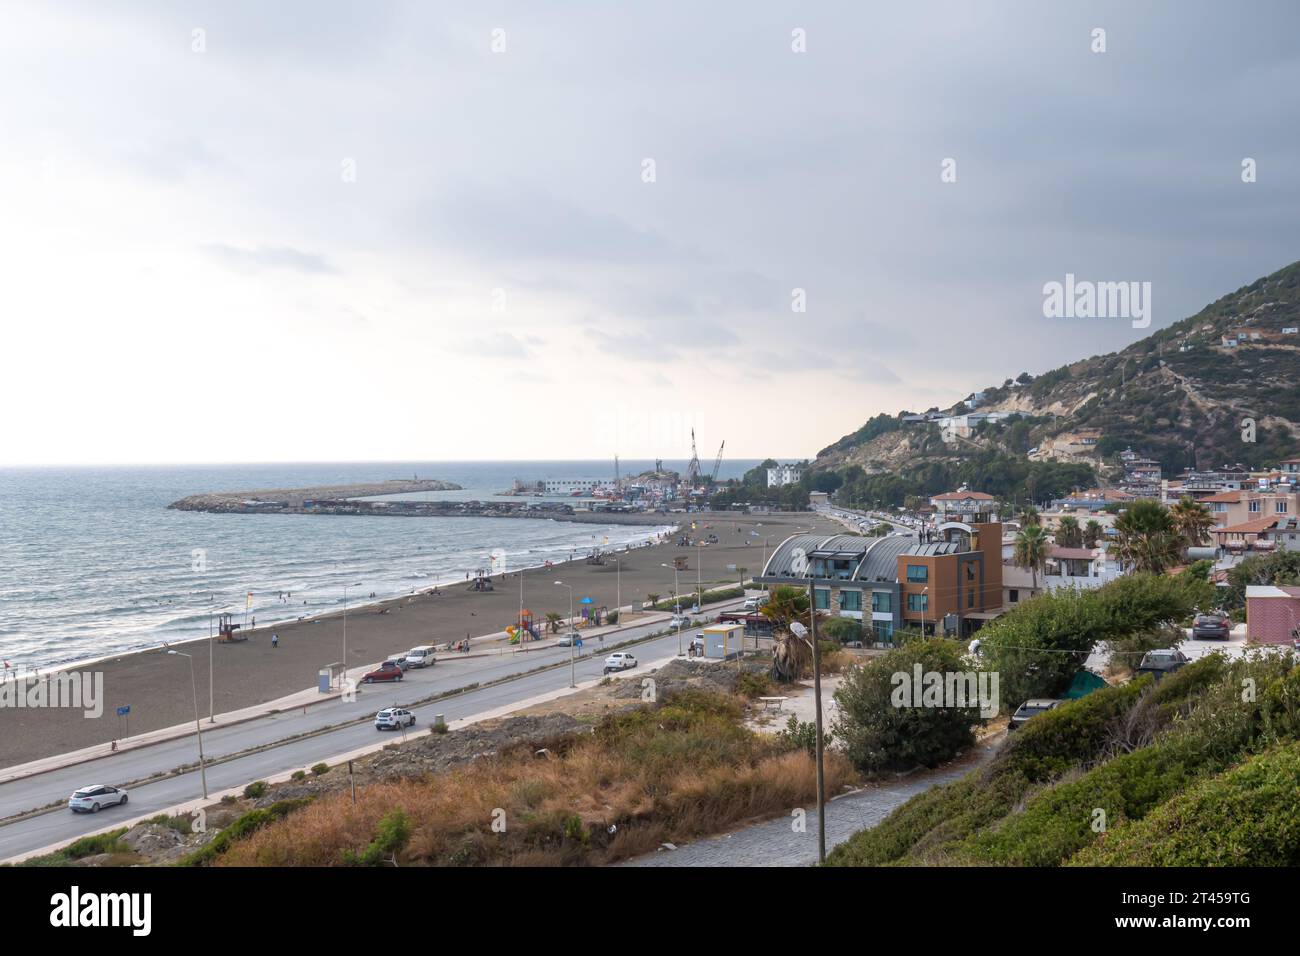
pixel 572 633
pixel 799 631
pixel 618 587
pixel 676 608
pixel 925 601
pixel 699 586
pixel 198 727
pixel 356 584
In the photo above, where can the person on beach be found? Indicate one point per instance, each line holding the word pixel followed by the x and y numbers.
pixel 275 640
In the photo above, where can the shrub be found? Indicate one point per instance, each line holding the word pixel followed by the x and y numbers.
pixel 255 790
pixel 840 630
pixel 394 832
pixel 878 733
pixel 298 775
pixel 320 769
pixel 751 684
pixel 242 828
pixel 802 735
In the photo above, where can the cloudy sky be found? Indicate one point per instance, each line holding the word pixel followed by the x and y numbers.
pixel 344 231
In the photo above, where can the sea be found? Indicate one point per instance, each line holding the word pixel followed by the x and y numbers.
pixel 92 562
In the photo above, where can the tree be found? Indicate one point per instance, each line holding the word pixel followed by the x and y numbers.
pixel 553 620
pixel 1192 520
pixel 1068 533
pixel 1146 538
pixel 1032 548
pixel 791 657
pixel 879 734
pixel 1092 533
pixel 1029 515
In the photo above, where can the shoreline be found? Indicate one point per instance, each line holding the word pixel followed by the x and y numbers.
pixel 157 686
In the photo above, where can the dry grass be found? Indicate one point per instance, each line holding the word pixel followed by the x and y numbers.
pixel 680 771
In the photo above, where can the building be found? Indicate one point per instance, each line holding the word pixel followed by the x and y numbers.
pixel 571 486
pixel 852 576
pixel 1231 508
pixel 1065 568
pixel 1272 613
pixel 784 475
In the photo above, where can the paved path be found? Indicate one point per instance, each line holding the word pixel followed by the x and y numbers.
pixel 777 843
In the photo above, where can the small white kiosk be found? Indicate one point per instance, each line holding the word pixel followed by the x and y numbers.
pixel 722 642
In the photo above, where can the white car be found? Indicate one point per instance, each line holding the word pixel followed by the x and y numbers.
pixel 681 620
pixel 619 661
pixel 421 656
pixel 394 718
pixel 93 799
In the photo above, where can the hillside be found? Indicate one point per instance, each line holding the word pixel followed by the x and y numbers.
pixel 1178 395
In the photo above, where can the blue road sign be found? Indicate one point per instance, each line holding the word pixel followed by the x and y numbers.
pixel 123 711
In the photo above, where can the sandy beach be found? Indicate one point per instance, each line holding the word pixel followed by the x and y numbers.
pixel 156 686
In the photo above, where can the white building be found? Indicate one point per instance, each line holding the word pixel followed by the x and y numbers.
pixel 571 486
pixel 784 475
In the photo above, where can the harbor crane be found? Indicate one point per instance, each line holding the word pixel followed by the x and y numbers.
pixel 717 463
pixel 693 469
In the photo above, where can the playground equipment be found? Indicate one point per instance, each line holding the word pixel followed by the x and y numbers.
pixel 481 581
pixel 596 557
pixel 525 625
pixel 226 629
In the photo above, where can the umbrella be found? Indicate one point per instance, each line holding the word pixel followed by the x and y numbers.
pixel 586 600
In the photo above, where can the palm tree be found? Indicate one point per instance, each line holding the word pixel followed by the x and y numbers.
pixel 1146 538
pixel 1068 533
pixel 1029 516
pixel 553 620
pixel 1191 520
pixel 1092 532
pixel 791 657
pixel 653 598
pixel 1032 548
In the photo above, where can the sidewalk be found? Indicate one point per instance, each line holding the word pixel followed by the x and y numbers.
pixel 305 698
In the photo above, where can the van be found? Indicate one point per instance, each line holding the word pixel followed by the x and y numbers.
pixel 421 656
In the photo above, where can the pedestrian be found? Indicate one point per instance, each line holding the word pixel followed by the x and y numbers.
pixel 275 640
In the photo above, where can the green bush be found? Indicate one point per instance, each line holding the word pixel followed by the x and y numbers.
pixel 802 735
pixel 878 734
pixel 241 828
pixel 255 790
pixel 298 775
pixel 320 769
pixel 753 684
pixel 394 833
pixel 840 630
pixel 1248 816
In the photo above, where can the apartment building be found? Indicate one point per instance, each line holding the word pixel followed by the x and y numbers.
pixel 783 475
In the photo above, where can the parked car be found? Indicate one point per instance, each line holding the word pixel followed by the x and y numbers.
pixel 421 656
pixel 93 799
pixel 619 661
pixel 1214 624
pixel 566 640
pixel 394 718
pixel 1030 709
pixel 388 670
pixel 1162 662
pixel 754 603
pixel 680 620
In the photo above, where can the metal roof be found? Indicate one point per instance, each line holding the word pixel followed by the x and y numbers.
pixel 878 556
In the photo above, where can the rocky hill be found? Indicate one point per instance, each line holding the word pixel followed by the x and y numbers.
pixel 1179 395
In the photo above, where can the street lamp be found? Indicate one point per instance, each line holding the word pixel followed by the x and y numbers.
pixel 198 727
pixel 212 711
pixel 572 633
pixel 344 678
pixel 798 630
pixel 618 587
pixel 925 601
pixel 677 611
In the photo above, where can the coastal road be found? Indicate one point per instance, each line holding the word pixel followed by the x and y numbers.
pixel 24 836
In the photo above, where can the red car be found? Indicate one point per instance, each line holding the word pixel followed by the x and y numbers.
pixel 388 670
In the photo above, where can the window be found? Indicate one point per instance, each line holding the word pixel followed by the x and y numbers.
pixel 884 631
pixel 822 598
pixel 918 602
pixel 1254 507
pixel 1281 507
pixel 882 602
pixel 850 600
pixel 970 598
pixel 918 573
pixel 1014 596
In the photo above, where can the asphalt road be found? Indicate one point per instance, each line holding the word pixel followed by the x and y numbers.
pixel 24 836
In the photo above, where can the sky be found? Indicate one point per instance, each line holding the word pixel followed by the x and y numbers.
pixel 329 231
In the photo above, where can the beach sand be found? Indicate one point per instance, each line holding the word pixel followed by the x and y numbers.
pixel 156 685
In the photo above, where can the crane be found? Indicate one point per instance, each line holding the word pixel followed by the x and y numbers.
pixel 693 469
pixel 717 463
